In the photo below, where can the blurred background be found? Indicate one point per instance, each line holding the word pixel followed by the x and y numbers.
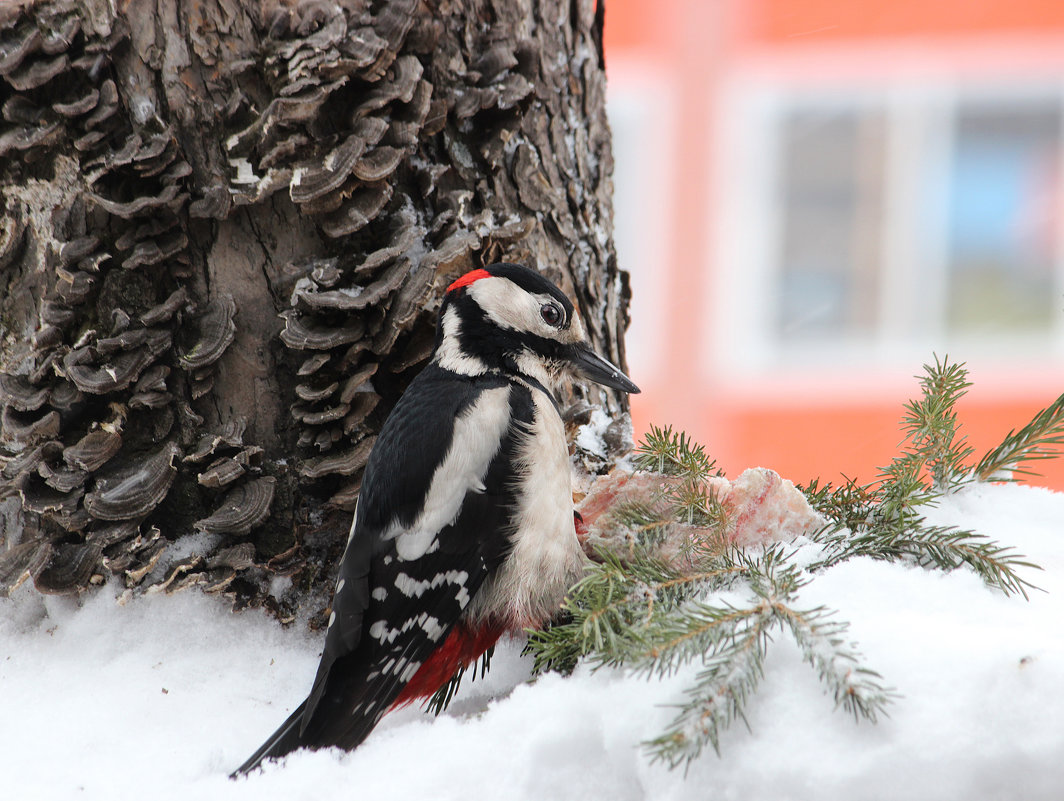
pixel 814 197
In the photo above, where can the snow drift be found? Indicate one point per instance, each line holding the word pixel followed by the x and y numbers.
pixel 167 694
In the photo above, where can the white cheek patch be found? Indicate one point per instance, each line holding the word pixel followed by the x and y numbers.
pixel 506 304
pixel 478 434
pixel 510 307
pixel 576 328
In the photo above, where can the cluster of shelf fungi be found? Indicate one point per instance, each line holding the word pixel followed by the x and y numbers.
pixel 115 462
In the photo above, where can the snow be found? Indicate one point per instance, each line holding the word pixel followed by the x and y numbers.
pixel 590 436
pixel 166 694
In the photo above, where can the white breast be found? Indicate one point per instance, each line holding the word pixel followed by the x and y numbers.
pixel 546 557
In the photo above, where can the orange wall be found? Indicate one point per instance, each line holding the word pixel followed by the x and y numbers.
pixel 697 42
pixel 783 21
pixel 829 440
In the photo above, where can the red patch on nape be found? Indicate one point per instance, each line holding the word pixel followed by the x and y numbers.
pixel 462 647
pixel 468 278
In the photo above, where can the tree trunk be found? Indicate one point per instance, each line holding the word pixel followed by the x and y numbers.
pixel 226 229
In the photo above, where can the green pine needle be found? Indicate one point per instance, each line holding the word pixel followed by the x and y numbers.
pixel 721 607
pixel 731 675
pixel 1042 438
pixel 931 426
pixel 663 451
pixel 821 638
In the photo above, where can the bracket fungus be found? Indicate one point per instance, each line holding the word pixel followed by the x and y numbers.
pixel 337 164
pixel 242 508
pixel 132 491
pixel 215 330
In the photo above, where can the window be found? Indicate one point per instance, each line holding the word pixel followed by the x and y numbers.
pixel 1003 211
pixel 832 197
pixel 887 224
pixel 641 116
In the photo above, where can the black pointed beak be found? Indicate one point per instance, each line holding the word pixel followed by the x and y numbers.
pixel 592 366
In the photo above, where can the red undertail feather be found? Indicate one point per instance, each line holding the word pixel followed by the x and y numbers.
pixel 468 278
pixel 462 648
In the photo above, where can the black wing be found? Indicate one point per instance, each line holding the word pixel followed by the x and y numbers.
pixel 390 613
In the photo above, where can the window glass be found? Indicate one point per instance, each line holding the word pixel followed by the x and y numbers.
pixel 1004 204
pixel 831 197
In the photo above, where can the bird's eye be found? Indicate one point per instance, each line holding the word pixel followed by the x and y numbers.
pixel 550 313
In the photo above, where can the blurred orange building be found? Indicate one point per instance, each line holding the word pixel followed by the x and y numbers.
pixel 814 197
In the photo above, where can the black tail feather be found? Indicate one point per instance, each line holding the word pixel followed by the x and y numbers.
pixel 281 742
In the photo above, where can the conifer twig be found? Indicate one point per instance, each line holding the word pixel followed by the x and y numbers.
pixel 930 424
pixel 941 547
pixel 719 606
pixel 821 637
pixel 732 640
pixel 666 452
pixel 652 618
pixel 731 673
pixel 1042 438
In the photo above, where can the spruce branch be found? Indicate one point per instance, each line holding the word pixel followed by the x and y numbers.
pixel 648 523
pixel 821 637
pixel 1041 438
pixel 945 548
pixel 884 520
pixel 930 424
pixel 732 671
pixel 669 453
pixel 732 640
pixel 692 631
pixel 893 532
pixel 648 616
pixel 719 606
pixel 607 612
pixel 695 504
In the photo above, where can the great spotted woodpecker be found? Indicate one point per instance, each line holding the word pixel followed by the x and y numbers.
pixel 464 525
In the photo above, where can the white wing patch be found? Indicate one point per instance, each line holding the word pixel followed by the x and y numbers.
pixel 432 627
pixel 415 543
pixel 384 633
pixel 380 631
pixel 478 435
pixel 411 587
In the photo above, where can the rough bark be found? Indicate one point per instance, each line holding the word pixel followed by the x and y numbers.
pixel 226 227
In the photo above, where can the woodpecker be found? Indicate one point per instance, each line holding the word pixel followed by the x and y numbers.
pixel 464 526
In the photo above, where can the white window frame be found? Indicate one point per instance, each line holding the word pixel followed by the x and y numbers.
pixel 642 101
pixel 744 261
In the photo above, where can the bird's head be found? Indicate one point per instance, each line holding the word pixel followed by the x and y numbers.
pixel 508 317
